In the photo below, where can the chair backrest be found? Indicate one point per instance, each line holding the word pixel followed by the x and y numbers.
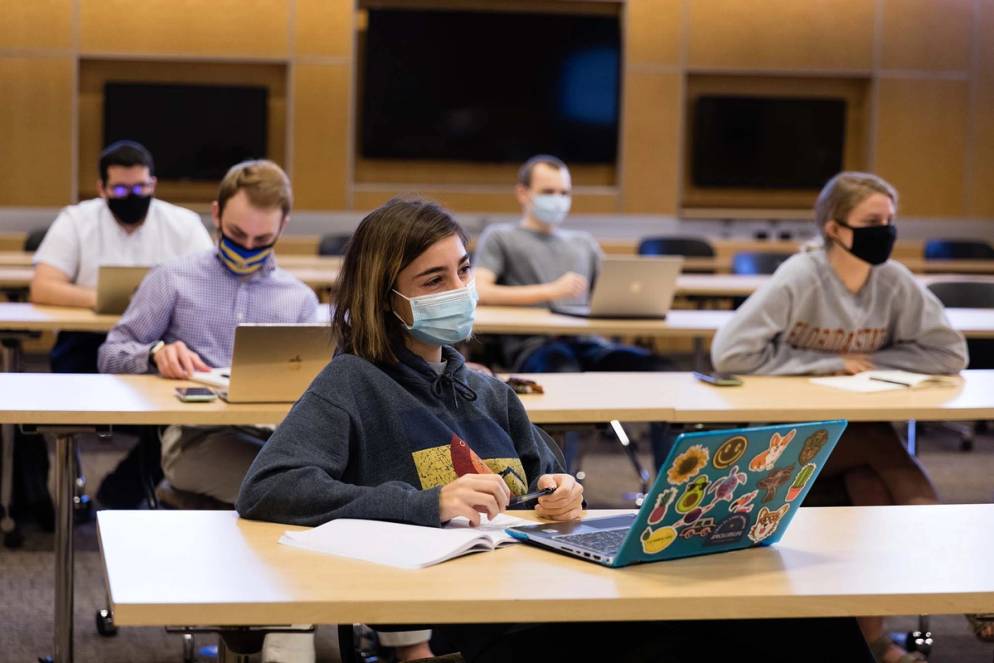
pixel 758 262
pixel 34 239
pixel 676 246
pixel 958 249
pixel 964 294
pixel 333 245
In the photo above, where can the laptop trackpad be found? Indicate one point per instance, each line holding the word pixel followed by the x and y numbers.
pixel 580 526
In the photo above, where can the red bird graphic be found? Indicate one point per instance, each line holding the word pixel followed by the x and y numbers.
pixel 464 459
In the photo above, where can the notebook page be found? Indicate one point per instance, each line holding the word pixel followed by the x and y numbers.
pixel 871 381
pixel 492 529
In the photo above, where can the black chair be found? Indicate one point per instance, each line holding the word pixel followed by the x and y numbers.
pixel 758 262
pixel 969 294
pixel 676 246
pixel 333 245
pixel 958 249
pixel 34 239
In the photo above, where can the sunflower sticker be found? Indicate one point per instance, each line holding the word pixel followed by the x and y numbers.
pixel 687 465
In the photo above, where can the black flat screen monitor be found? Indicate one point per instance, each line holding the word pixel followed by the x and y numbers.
pixel 194 132
pixel 491 87
pixel 766 142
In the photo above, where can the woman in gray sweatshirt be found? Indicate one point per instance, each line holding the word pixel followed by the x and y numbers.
pixel 843 308
pixel 396 428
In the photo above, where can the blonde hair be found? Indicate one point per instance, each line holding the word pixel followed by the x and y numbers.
pixel 264 182
pixel 389 239
pixel 844 192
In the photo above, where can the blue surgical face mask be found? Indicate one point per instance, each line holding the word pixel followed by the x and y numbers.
pixel 444 318
pixel 238 259
pixel 550 208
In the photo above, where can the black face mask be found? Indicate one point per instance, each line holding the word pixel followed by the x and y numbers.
pixel 131 209
pixel 872 244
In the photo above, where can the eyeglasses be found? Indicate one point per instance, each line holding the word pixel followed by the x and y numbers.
pixel 122 190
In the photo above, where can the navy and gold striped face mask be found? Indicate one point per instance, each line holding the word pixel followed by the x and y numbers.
pixel 242 261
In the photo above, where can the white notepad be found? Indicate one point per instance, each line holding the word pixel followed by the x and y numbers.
pixel 404 546
pixel 870 381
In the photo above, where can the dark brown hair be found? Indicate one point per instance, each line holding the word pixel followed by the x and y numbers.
pixel 389 239
pixel 525 172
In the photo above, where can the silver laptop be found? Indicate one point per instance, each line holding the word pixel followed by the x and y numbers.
pixel 631 287
pixel 115 286
pixel 271 363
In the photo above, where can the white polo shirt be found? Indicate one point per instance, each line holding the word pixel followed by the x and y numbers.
pixel 87 235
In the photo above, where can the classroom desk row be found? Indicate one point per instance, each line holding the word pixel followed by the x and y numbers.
pixel 23 317
pixel 66 405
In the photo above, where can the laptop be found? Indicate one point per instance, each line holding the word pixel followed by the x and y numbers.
pixel 630 287
pixel 115 285
pixel 718 490
pixel 271 363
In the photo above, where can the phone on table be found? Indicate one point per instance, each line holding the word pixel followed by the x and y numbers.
pixel 195 394
pixel 718 379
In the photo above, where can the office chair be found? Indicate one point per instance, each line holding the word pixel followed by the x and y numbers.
pixel 958 249
pixel 758 262
pixel 34 238
pixel 969 294
pixel 333 245
pixel 675 246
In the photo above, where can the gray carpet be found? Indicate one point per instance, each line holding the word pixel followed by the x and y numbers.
pixel 26 574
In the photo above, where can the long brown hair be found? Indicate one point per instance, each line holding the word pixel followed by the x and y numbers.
pixel 389 239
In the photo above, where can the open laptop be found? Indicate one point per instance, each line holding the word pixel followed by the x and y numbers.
pixel 115 285
pixel 271 363
pixel 630 287
pixel 718 490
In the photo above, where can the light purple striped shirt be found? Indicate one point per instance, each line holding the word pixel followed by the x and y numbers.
pixel 195 299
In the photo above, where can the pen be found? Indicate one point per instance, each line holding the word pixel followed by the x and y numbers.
pixel 876 379
pixel 528 497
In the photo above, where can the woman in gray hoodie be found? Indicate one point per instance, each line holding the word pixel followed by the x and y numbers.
pixel 396 428
pixel 843 308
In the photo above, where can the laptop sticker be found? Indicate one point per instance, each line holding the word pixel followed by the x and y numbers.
pixel 767 522
pixel 694 494
pixel 772 481
pixel 743 503
pixel 724 488
pixel 688 465
pixel 654 541
pixel 800 481
pixel 812 446
pixel 702 528
pixel 729 530
pixel 663 502
pixel 765 460
pixel 729 452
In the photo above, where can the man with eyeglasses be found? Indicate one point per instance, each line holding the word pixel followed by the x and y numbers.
pixel 126 225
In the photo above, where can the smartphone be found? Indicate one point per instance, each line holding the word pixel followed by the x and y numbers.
pixel 718 379
pixel 195 394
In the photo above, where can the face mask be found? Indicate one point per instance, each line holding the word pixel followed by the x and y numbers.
pixel 130 209
pixel 238 259
pixel 444 318
pixel 872 244
pixel 551 208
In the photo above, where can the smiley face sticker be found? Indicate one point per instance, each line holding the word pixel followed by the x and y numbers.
pixel 729 452
pixel 655 541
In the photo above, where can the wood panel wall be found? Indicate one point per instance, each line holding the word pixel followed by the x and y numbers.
pixel 928 66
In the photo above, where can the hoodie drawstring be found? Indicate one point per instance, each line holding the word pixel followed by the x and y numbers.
pixel 458 387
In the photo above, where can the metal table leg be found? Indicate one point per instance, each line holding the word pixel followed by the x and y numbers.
pixel 65 483
pixel 11 360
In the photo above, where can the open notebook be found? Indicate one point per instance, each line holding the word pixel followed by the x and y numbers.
pixel 869 381
pixel 404 546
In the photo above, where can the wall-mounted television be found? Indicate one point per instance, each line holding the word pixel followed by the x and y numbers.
pixel 194 132
pixel 489 86
pixel 766 142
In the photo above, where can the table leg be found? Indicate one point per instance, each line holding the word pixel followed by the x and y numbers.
pixel 11 359
pixel 912 437
pixel 65 482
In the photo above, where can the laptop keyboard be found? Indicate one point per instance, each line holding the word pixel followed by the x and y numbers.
pixel 606 541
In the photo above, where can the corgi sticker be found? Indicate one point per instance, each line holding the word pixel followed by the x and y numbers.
pixel 765 460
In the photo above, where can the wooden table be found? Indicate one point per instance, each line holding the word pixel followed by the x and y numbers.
pixel 214 568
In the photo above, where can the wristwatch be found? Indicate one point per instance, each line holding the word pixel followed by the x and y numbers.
pixel 155 348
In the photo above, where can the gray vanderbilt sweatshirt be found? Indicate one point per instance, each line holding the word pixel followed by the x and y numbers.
pixel 378 442
pixel 805 319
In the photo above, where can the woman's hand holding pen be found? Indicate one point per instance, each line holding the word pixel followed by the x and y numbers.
pixel 565 502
